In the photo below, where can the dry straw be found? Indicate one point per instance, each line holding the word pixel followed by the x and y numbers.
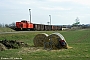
pixel 39 39
pixel 55 39
pixel 2 47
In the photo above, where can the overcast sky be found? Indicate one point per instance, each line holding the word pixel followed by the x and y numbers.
pixel 63 12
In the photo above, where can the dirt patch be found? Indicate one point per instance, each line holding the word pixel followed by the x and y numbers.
pixel 26 50
pixel 2 47
pixel 12 44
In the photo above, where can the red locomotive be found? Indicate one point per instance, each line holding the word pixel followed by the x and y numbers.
pixel 26 25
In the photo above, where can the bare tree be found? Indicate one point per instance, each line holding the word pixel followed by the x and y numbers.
pixel 6 25
pixel 12 25
pixel 0 25
pixel 76 22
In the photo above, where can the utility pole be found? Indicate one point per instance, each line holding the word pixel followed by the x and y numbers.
pixel 30 14
pixel 50 19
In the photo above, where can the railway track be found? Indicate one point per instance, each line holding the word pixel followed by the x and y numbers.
pixel 19 32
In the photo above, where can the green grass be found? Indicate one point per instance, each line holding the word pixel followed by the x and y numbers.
pixel 79 40
pixel 4 29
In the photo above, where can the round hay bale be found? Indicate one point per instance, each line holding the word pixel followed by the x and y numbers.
pixel 2 47
pixel 56 40
pixel 39 39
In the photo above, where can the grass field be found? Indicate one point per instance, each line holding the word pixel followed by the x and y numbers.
pixel 6 29
pixel 79 40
